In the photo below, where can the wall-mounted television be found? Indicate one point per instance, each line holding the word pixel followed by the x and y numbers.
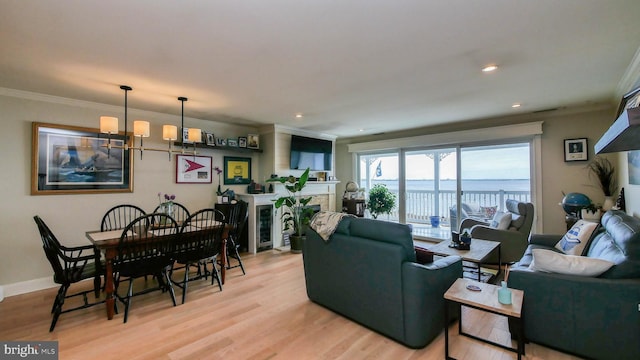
pixel 311 153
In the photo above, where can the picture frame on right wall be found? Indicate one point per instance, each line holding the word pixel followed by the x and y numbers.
pixel 576 150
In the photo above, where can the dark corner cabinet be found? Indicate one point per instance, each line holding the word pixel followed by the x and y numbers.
pixel 354 207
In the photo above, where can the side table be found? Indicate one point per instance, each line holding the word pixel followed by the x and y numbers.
pixel 486 300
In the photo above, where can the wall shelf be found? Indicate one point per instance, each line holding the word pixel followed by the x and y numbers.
pixel 221 148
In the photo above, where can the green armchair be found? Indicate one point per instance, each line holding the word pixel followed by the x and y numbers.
pixel 514 239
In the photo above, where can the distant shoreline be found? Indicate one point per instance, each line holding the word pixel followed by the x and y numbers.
pixel 468 185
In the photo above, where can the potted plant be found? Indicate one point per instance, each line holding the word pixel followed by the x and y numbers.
pixel 381 200
pixel 605 174
pixel 295 215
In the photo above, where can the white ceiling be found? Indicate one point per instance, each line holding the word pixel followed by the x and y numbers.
pixel 377 65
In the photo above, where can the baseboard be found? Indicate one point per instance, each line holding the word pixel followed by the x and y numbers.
pixel 26 287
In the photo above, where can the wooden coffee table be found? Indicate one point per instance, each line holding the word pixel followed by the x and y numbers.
pixel 478 252
pixel 486 300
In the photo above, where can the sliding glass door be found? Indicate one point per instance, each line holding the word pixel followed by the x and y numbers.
pixel 382 169
pixel 430 191
pixel 491 175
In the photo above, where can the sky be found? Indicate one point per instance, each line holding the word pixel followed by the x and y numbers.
pixel 477 163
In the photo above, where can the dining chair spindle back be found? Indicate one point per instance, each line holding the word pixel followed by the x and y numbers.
pixel 70 265
pixel 145 248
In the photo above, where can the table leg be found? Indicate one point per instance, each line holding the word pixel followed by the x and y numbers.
pixel 223 260
pixel 109 286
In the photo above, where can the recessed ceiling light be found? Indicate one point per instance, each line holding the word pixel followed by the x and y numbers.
pixel 490 68
pixel 516 105
pixel 298 116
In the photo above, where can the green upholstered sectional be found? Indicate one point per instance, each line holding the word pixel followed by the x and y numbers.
pixel 593 317
pixel 367 272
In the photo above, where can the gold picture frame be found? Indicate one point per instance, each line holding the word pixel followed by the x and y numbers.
pixel 76 160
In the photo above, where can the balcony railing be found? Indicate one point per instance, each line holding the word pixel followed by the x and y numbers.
pixel 421 204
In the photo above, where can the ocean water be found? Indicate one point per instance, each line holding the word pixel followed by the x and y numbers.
pixel 467 185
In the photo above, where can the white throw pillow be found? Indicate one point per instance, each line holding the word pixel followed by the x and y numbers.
pixel 501 220
pixel 575 240
pixel 553 262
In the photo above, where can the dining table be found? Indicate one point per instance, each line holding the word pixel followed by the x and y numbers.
pixel 107 243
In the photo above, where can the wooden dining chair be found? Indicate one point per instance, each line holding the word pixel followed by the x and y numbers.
pixel 70 265
pixel 180 212
pixel 199 244
pixel 118 217
pixel 237 215
pixel 145 249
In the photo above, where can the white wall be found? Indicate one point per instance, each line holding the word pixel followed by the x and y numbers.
pixel 557 175
pixel 69 216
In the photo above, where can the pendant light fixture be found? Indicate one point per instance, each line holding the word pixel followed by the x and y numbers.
pixel 141 129
pixel 194 135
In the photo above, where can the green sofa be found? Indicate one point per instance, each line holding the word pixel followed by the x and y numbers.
pixel 593 317
pixel 366 271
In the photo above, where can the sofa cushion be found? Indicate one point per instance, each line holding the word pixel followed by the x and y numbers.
pixel 516 222
pixel 576 239
pixel 618 241
pixel 553 262
pixel 516 207
pixel 501 220
pixel 380 230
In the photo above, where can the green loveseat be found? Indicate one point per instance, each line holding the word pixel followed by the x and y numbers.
pixel 593 317
pixel 366 271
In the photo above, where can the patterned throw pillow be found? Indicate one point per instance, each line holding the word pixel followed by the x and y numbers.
pixel 575 240
pixel 488 211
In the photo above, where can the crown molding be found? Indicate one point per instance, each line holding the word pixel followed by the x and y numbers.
pixel 631 78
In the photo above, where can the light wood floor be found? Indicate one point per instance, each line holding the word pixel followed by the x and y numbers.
pixel 263 315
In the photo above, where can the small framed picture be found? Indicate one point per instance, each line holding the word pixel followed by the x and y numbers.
pixel 211 139
pixel 253 141
pixel 185 136
pixel 242 141
pixel 225 199
pixel 576 150
pixel 221 142
pixel 232 142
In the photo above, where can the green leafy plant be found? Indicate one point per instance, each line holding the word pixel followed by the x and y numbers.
pixel 296 215
pixel 605 174
pixel 381 200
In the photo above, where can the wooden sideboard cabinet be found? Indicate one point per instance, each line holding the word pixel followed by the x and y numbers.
pixel 354 207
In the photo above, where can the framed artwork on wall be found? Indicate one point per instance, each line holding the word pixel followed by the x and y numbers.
pixel 242 141
pixel 77 160
pixel 193 169
pixel 253 141
pixel 221 142
pixel 211 139
pixel 185 136
pixel 237 170
pixel 576 150
pixel 232 142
